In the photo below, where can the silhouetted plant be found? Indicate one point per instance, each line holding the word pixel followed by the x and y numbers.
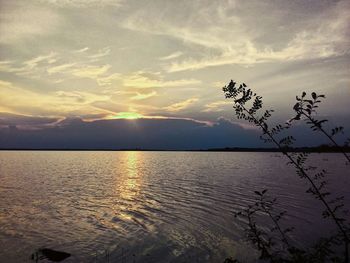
pixel 306 108
pixel 270 246
pixel 247 106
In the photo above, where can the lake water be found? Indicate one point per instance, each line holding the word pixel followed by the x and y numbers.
pixel 148 206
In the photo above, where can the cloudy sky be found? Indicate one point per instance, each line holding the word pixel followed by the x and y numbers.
pixel 97 60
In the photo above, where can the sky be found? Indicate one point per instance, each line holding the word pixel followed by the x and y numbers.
pixel 77 67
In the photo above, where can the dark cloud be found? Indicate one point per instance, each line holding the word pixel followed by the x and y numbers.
pixel 22 120
pixel 142 134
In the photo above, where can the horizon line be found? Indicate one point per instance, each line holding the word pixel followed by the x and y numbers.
pixel 321 148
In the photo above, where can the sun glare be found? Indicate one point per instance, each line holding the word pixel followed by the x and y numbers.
pixel 128 115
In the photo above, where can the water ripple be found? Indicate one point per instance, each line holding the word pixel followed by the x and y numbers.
pixel 160 206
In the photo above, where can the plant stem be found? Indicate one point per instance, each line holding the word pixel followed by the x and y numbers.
pixel 327 135
pixel 259 240
pixel 284 238
pixel 318 193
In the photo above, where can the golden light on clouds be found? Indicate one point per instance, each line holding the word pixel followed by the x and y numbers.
pixel 128 115
pixel 181 105
pixel 132 60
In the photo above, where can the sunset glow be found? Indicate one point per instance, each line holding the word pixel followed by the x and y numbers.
pixel 99 60
pixel 174 131
pixel 128 115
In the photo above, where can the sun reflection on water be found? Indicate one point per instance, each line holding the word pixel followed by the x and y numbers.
pixel 128 186
pixel 131 183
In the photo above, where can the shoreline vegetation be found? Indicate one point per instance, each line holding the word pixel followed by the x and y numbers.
pixel 318 149
pixel 274 243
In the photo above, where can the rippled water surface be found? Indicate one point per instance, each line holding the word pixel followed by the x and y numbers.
pixel 146 206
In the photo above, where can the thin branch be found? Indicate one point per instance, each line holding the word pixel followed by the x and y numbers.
pixel 326 134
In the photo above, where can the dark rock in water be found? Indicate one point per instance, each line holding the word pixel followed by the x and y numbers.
pixel 230 260
pixel 50 254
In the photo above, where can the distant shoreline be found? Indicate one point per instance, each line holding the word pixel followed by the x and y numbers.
pixel 321 149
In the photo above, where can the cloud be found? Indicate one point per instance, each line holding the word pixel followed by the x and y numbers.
pixel 101 53
pixel 216 106
pixel 146 58
pixel 180 105
pixel 32 63
pixel 143 79
pixel 141 133
pixel 34 68
pixel 107 80
pixel 60 68
pixel 81 50
pixel 5 84
pixel 142 96
pixel 82 97
pixel 21 22
pixel 84 3
pixel 226 36
pixel 219 84
pixel 92 72
pixel 25 121
pixel 66 65
pixel 130 133
pixel 18 100
pixel 204 23
pixel 7 66
pixel 243 125
pixel 172 56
